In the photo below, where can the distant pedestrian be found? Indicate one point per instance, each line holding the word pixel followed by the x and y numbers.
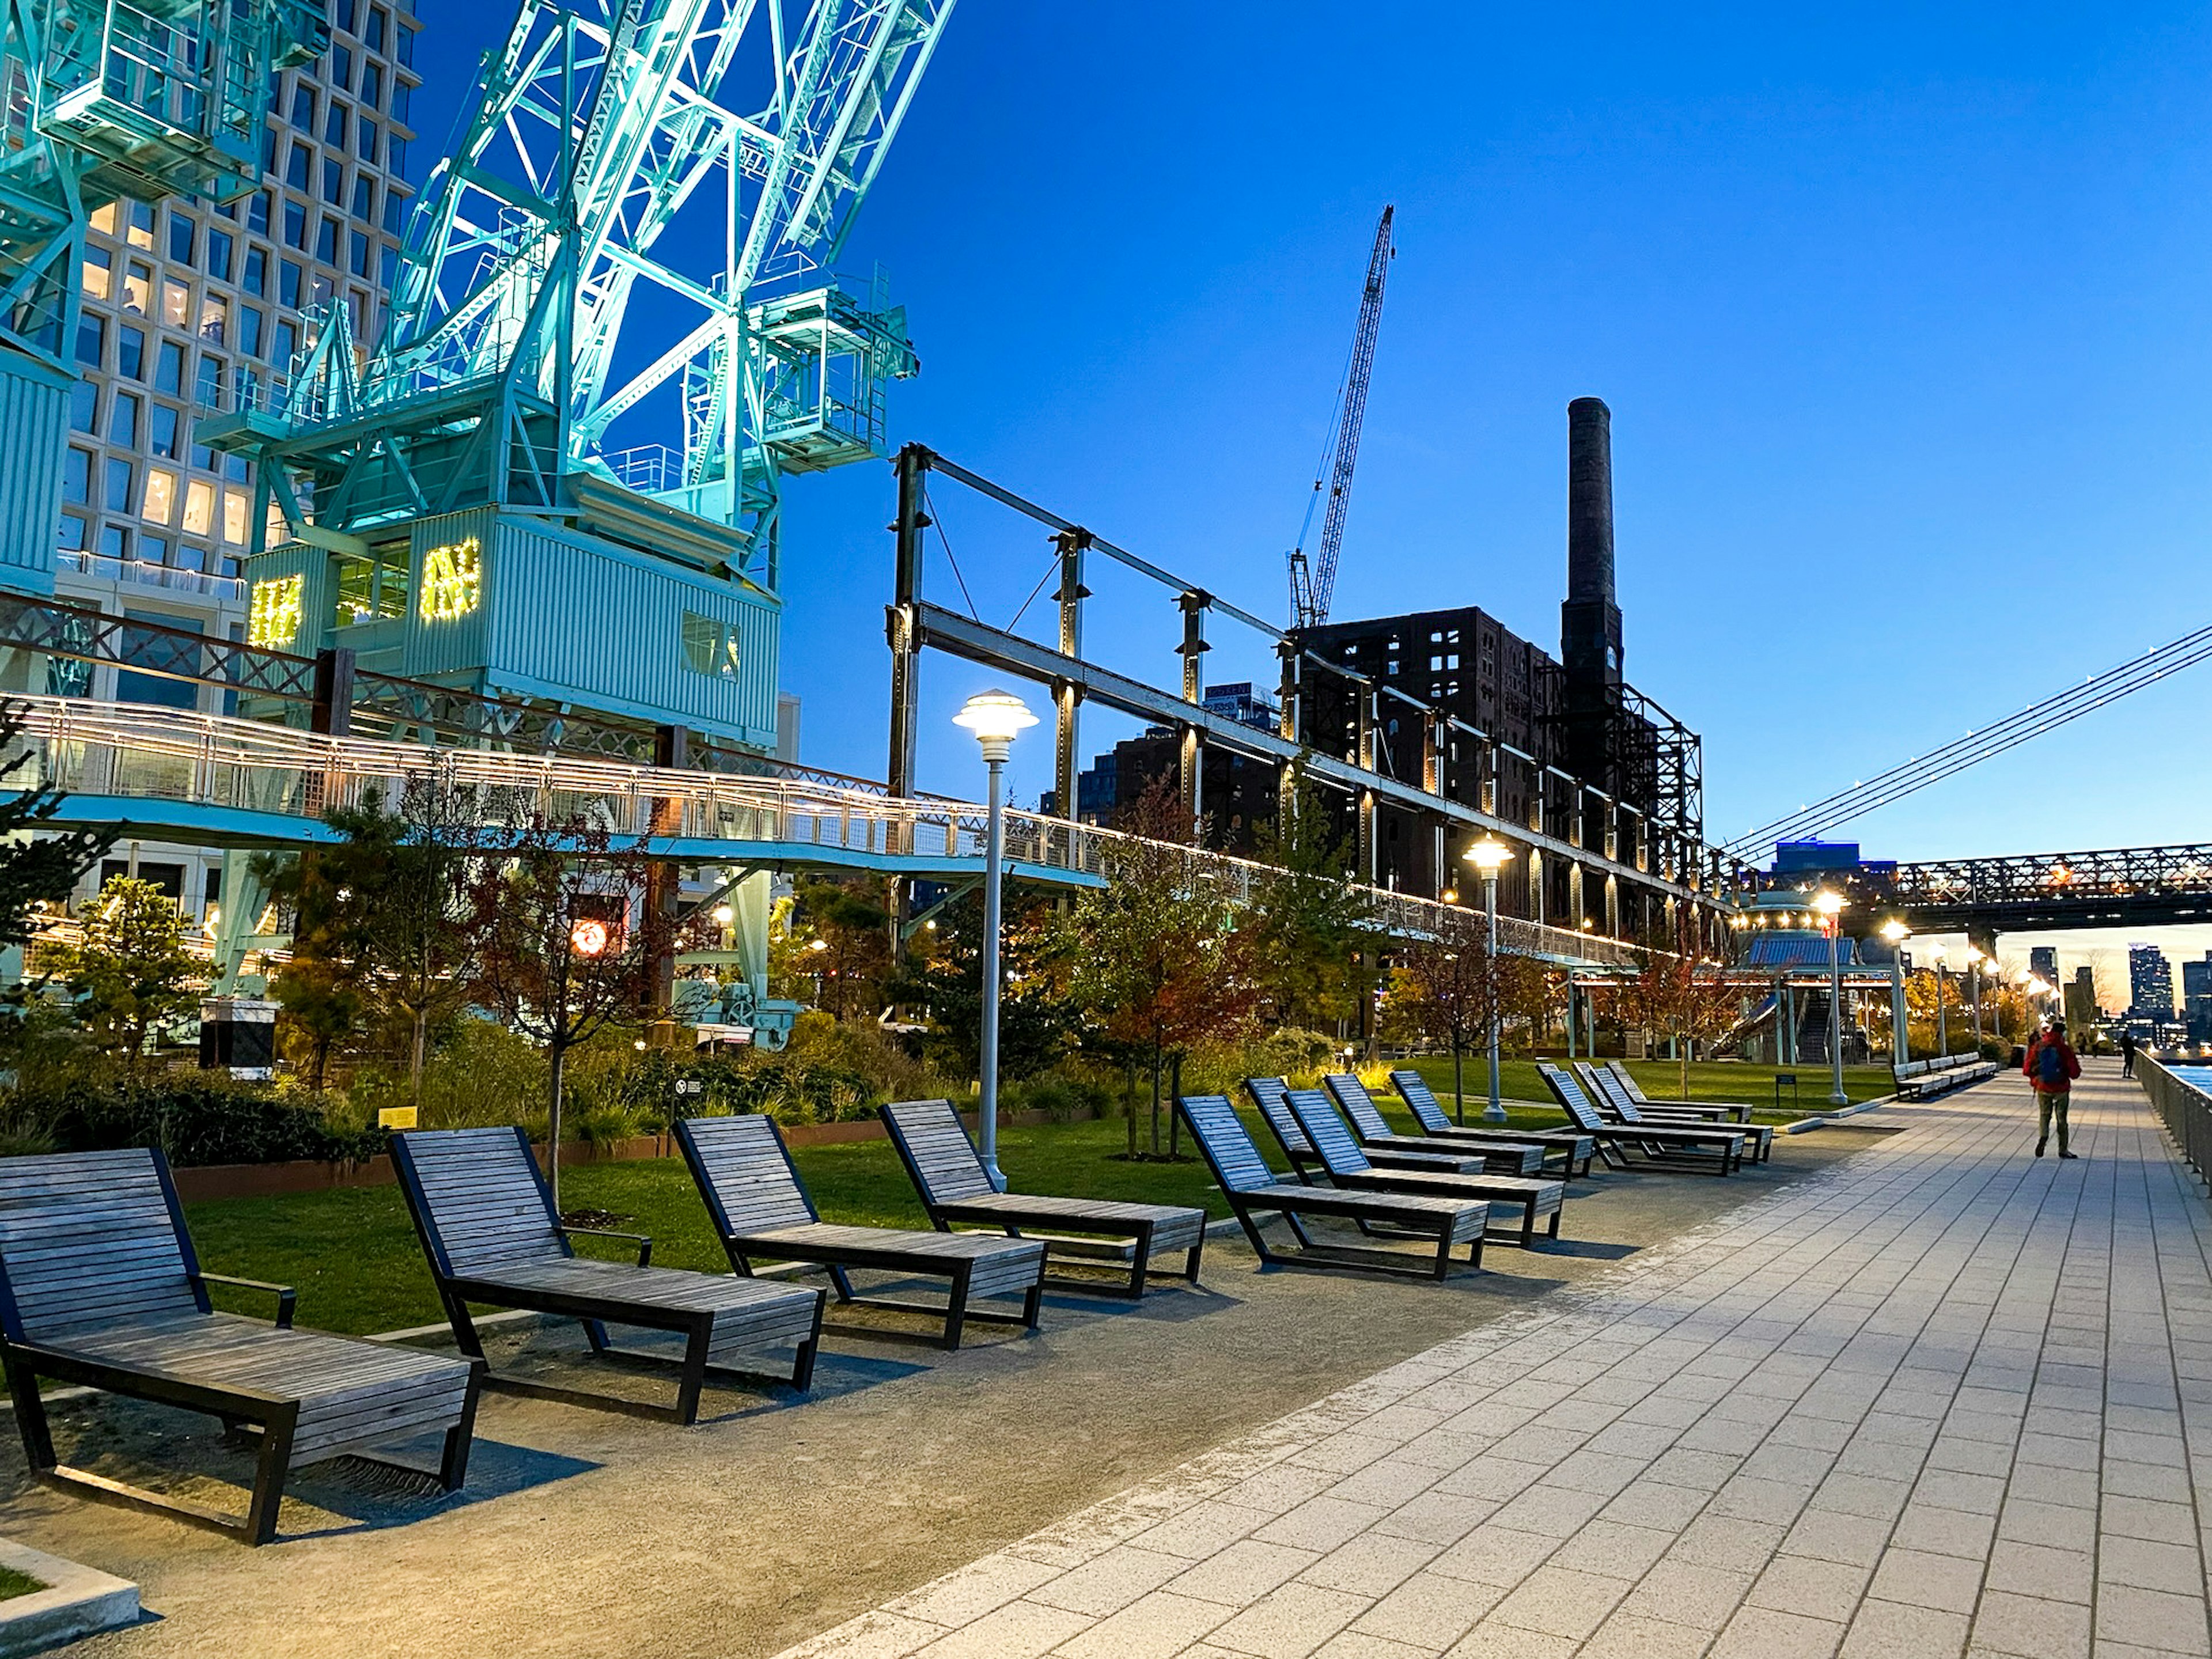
pixel 2050 1069
pixel 2127 1053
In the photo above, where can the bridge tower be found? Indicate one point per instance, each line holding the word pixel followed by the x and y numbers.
pixel 630 241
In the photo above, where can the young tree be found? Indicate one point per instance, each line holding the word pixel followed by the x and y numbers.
pixel 38 865
pixel 1448 987
pixel 1314 933
pixel 944 974
pixel 1678 994
pixel 131 972
pixel 843 931
pixel 569 941
pixel 1157 955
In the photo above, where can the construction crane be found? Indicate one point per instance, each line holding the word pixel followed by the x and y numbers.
pixel 1312 584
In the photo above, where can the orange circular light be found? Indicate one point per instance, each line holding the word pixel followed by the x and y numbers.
pixel 588 937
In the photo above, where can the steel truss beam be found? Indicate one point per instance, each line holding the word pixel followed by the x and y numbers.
pixel 2113 887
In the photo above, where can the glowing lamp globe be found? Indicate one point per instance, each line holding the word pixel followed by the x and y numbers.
pixel 1489 855
pixel 996 718
pixel 589 936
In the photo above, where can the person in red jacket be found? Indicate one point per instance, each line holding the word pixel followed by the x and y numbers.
pixel 2051 1068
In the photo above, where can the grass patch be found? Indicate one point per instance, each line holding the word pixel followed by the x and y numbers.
pixel 14 1583
pixel 1709 1080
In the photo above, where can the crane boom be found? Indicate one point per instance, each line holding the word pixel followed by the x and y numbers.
pixel 1313 585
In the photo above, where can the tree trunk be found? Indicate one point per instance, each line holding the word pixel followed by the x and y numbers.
pixel 1129 1102
pixel 557 1062
pixel 1175 1093
pixel 415 1056
pixel 1459 1092
pixel 322 1061
pixel 1156 1100
pixel 1682 1056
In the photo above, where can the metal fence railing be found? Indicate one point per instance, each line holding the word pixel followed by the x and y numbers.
pixel 2182 1098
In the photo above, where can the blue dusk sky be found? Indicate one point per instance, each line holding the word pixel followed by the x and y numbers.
pixel 1904 316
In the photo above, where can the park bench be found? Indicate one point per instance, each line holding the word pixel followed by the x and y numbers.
pixel 100 1286
pixel 1081 1232
pixel 1350 1169
pixel 1500 1155
pixel 1612 1101
pixel 1573 1152
pixel 763 1211
pixel 1256 1194
pixel 1272 1095
pixel 1714 1110
pixel 1717 1152
pixel 488 1225
pixel 1924 1080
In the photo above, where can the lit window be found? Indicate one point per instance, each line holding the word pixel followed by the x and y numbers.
pixel 137 288
pixel 233 517
pixel 98 272
pixel 176 302
pixel 272 619
pixel 214 318
pixel 141 231
pixel 103 219
pixel 199 508
pixel 160 496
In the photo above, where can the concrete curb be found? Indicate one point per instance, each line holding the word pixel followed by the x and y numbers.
pixel 76 1602
pixel 1826 1118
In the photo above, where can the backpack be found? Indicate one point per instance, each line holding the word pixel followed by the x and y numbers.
pixel 2050 1065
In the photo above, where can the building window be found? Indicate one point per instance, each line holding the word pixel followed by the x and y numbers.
pixel 402 95
pixel 169 369
pixel 137 288
pixel 372 85
pixel 288 343
pixel 153 550
pixel 256 275
pixel 377 23
pixel 162 429
pixel 710 646
pixel 364 198
pixel 288 282
pixel 257 212
pixel 233 517
pixel 297 165
pixel 122 420
pixel 199 508
pixel 395 155
pixel 249 331
pixel 102 218
pixel 333 182
pixel 218 255
pixel 334 124
pixel 117 493
pixel 160 496
pixel 214 318
pixel 364 135
pixel 406 43
pixel 395 208
pixel 295 226
pixel 84 406
pixel 130 353
pixel 345 16
pixel 76 476
pixel 91 338
pixel 71 537
pixel 114 541
pixel 181 231
pixel 141 231
pixel 357 252
pixel 326 243
pixel 387 269
pixel 98 272
pixel 176 302
pixel 303 106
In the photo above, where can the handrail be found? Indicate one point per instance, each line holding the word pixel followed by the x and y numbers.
pixel 212 760
pixel 2184 1106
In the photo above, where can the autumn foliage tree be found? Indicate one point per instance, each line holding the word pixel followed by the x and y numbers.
pixel 1158 961
pixel 1679 993
pixel 1446 988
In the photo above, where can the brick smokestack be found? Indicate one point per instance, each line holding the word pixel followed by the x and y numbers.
pixel 1589 621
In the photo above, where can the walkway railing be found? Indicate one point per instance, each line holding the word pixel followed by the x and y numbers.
pixel 207 761
pixel 2182 1098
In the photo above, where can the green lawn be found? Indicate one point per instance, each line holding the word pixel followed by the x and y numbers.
pixel 14 1583
pixel 1709 1080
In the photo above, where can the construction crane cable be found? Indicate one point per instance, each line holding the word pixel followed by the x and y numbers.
pixel 1983 743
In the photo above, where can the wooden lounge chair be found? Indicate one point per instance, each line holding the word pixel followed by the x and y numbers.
pixel 1271 1094
pixel 1715 1151
pixel 1256 1194
pixel 100 1286
pixel 1350 1168
pixel 1089 1232
pixel 1737 1111
pixel 488 1225
pixel 1499 1156
pixel 763 1211
pixel 1573 1152
pixel 1612 1101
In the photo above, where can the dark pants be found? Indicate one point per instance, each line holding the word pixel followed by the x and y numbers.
pixel 2048 1107
pixel 2128 1063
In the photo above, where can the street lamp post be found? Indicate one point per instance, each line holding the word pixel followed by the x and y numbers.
pixel 996 718
pixel 1489 855
pixel 1900 1046
pixel 1942 1005
pixel 1974 960
pixel 1831 907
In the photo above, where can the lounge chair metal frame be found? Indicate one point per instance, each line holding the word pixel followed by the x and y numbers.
pixel 1270 1096
pixel 1350 1168
pixel 783 1224
pixel 1738 1111
pixel 949 1177
pixel 95 1244
pixel 1711 1151
pixel 1604 1091
pixel 1576 1151
pixel 525 1208
pixel 1501 1156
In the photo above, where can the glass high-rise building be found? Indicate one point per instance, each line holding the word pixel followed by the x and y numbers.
pixel 2151 984
pixel 2043 963
pixel 187 305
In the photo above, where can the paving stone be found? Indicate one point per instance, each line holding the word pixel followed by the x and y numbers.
pixel 1289 1622
pixel 1891 1630
pixel 1819 1589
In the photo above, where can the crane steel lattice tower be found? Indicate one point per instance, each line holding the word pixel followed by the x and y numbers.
pixel 1313 585
pixel 629 240
pixel 101 99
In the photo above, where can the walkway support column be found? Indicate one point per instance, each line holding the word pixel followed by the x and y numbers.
pixel 1067 697
pixel 1193 651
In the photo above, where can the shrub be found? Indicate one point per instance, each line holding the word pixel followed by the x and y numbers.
pixel 201 1118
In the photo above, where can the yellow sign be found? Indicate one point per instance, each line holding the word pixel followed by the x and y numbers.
pixel 273 617
pixel 453 580
pixel 396 1117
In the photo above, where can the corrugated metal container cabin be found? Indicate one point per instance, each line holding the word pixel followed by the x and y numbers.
pixel 34 407
pixel 503 604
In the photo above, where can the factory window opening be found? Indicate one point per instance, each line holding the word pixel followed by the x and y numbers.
pixel 710 646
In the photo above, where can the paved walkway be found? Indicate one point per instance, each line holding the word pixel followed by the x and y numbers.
pixel 1945 1398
